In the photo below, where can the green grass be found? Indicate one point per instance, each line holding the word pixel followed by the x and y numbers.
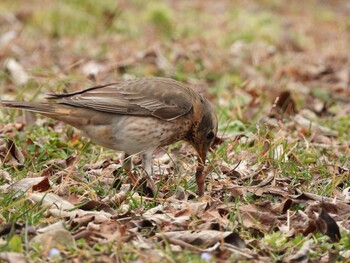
pixel 57 37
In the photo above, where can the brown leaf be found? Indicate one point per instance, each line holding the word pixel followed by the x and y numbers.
pixel 11 154
pixel 273 190
pixel 15 152
pixel 310 196
pixel 253 217
pixel 321 220
pixel 54 238
pixel 59 225
pixel 90 236
pixel 23 185
pixel 50 200
pixel 302 256
pixel 5 176
pixel 283 207
pixel 42 186
pixel 328 226
pixel 97 216
pixel 63 163
pixel 284 105
pixel 13 257
pixel 11 128
pixel 119 197
pixel 9 227
pixel 106 231
pixel 110 228
pixel 96 205
pixel 304 123
pixel 83 220
pixel 205 238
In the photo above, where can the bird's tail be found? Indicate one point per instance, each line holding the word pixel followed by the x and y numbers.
pixel 48 109
pixel 74 116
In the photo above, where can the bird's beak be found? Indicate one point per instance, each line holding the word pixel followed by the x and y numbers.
pixel 202 154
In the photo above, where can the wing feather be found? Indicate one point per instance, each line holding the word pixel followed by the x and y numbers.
pixel 158 97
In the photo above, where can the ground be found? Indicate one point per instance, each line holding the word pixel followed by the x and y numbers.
pixel 277 187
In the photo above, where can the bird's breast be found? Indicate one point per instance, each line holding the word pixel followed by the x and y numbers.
pixel 134 134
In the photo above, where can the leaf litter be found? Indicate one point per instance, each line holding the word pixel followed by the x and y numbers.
pixel 296 92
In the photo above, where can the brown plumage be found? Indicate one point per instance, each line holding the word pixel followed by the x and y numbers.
pixel 136 116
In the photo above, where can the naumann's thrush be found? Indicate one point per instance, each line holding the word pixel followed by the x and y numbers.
pixel 136 116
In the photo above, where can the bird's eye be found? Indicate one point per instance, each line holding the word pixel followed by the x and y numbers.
pixel 210 136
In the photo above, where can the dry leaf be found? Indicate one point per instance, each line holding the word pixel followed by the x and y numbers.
pixel 328 226
pixel 36 183
pixel 284 105
pixel 54 238
pixel 302 256
pixel 96 205
pixel 59 225
pixel 205 238
pixel 10 154
pixel 50 200
pixel 5 176
pixel 18 73
pixel 306 124
pixel 13 257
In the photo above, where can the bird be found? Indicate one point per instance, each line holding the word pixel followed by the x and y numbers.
pixel 136 116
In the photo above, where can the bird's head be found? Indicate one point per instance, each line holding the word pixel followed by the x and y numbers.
pixel 202 135
pixel 204 129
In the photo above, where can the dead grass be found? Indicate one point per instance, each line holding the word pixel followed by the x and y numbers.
pixel 277 187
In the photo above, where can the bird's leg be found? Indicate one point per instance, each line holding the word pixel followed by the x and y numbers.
pixel 148 170
pixel 127 165
pixel 147 162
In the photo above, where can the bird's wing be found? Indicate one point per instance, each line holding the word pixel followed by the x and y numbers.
pixel 159 97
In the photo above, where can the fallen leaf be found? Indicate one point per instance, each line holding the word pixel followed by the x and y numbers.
pixel 10 154
pixel 59 225
pixel 284 105
pixel 282 208
pixel 96 205
pixel 51 200
pixel 205 238
pixel 39 183
pixel 253 217
pixel 53 238
pixel 9 227
pixel 119 197
pixel 13 257
pixel 42 186
pixel 309 125
pixel 303 253
pixel 17 72
pixel 5 176
pixel 328 226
